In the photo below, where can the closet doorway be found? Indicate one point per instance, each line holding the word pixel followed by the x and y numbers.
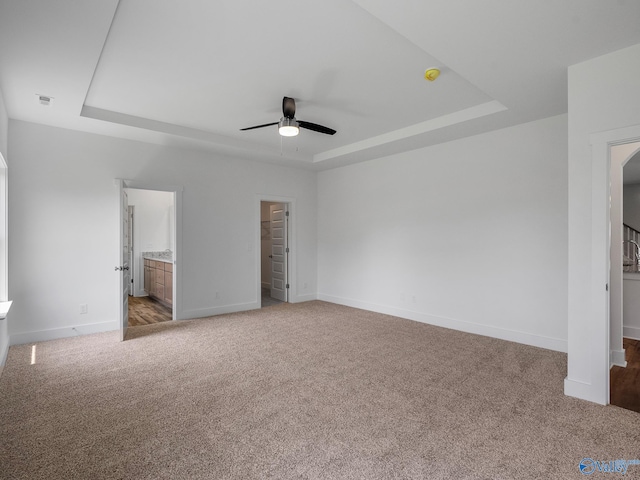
pixel 274 253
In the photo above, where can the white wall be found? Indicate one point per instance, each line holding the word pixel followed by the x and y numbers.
pixel 470 234
pixel 632 305
pixel 631 206
pixel 152 228
pixel 64 227
pixel 597 103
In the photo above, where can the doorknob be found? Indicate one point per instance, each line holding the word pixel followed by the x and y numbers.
pixel 270 256
pixel 121 268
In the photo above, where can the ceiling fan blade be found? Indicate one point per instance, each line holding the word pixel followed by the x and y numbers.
pixel 288 107
pixel 259 126
pixel 316 128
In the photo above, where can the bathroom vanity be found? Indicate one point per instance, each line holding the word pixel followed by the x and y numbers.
pixel 158 278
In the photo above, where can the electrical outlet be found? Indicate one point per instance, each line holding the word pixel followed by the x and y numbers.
pixel 217 294
pixel 84 308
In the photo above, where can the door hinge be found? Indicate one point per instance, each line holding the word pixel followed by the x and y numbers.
pixel 287 250
pixel 287 214
pixel 606 287
pixel 287 285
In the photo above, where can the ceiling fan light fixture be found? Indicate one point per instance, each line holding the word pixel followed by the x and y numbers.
pixel 288 127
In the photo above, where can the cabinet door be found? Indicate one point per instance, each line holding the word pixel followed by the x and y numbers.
pixel 153 288
pixel 159 291
pixel 168 287
pixel 147 278
pixel 159 275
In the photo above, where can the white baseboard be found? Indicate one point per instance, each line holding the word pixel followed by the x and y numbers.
pixel 540 341
pixel 265 285
pixel 631 332
pixel 64 332
pixel 618 358
pixel 210 312
pixel 305 298
pixel 584 391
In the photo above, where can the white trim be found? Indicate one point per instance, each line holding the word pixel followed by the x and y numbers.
pixel 210 312
pixel 631 332
pixel 4 309
pixel 618 359
pixel 4 229
pixel 64 332
pixel 585 391
pixel 304 298
pixel 534 340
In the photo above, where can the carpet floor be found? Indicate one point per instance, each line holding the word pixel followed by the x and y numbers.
pixel 310 391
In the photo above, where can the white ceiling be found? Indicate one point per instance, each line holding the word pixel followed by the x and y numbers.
pixel 191 73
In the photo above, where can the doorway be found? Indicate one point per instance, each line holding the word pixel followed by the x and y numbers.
pixel 274 253
pixel 625 276
pixel 163 248
pixel 589 350
pixel 152 247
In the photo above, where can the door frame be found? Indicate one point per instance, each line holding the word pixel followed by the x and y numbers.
pixel 589 342
pixel 293 251
pixel 616 284
pixel 177 236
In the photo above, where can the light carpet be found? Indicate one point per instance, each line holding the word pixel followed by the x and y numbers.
pixel 311 391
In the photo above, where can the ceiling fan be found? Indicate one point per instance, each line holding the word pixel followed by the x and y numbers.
pixel 289 126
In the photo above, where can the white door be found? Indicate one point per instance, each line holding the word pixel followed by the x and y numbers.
pixel 278 217
pixel 123 268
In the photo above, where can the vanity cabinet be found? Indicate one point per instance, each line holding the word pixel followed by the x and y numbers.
pixel 158 280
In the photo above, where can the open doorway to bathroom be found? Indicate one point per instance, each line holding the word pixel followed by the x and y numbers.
pixel 152 235
pixel 274 248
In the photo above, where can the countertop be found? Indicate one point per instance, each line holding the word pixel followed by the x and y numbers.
pixel 165 256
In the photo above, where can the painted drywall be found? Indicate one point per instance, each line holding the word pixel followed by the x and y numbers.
pixel 469 235
pixel 597 103
pixel 631 206
pixel 64 227
pixel 632 305
pixel 152 228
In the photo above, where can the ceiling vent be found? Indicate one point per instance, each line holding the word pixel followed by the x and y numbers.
pixel 44 100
